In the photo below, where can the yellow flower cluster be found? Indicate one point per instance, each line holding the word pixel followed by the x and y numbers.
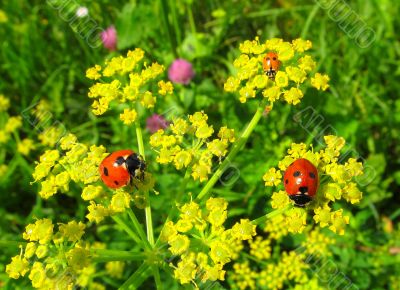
pixel 259 270
pixel 131 93
pixel 9 127
pixel 190 145
pixel 202 242
pixel 52 259
pixel 77 162
pixel 289 82
pixel 336 183
pixel 290 268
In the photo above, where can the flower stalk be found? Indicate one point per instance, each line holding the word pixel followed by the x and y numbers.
pixel 235 150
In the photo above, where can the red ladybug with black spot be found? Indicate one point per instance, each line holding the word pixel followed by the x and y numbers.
pixel 120 167
pixel 271 64
pixel 301 181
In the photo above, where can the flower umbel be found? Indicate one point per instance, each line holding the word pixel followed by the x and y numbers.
pixel 289 82
pixel 337 183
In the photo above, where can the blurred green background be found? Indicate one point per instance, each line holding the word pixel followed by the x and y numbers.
pixel 43 56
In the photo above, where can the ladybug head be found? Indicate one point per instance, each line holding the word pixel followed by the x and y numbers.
pixel 135 165
pixel 302 198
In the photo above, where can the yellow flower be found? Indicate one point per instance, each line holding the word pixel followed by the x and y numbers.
pixel 280 199
pixel 281 79
pixel 244 230
pixel 30 250
pixel 332 191
pixel 68 141
pixel 306 63
pixel 285 51
pixel 178 244
pixel 351 193
pixel 128 116
pixel 296 220
pixel 72 231
pixel 272 93
pixel 179 127
pixel 184 225
pixel 220 252
pixel 296 74
pixel 169 230
pixel 26 146
pixel 18 267
pixel 320 82
pixel 13 123
pixel 213 273
pixel 204 131
pixel 148 100
pixel 293 96
pixel 217 147
pixel 93 72
pixel 78 258
pixel 227 134
pixel 165 88
pixel 120 201
pixel 301 45
pixel 186 271
pixel 91 192
pixel 339 222
pixel 323 216
pixel 97 212
pixel 260 248
pixel 216 203
pixel 41 251
pixel 272 177
pixel 115 269
pixel 182 159
pixel 41 231
pixel 37 275
pixel 201 171
pixel 4 102
pixel 217 217
pixel 190 211
pixel 231 84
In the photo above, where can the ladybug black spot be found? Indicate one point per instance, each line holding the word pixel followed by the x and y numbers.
pixel 286 181
pixel 105 171
pixel 116 182
pixel 120 160
pixel 296 173
pixel 312 175
pixel 274 58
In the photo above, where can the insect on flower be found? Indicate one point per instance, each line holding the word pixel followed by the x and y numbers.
pixel 120 167
pixel 301 181
pixel 271 64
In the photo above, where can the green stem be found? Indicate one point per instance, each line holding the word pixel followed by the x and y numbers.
pixel 126 228
pixel 137 278
pixel 105 255
pixel 138 227
pixel 270 215
pixel 147 210
pixel 157 279
pixel 235 150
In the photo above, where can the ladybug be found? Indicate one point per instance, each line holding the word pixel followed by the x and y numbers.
pixel 120 167
pixel 301 181
pixel 271 64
